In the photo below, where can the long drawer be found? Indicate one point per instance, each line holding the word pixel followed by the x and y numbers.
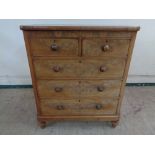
pixel 78 89
pixel 74 107
pixel 79 68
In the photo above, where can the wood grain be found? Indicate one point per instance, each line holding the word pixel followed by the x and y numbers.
pixel 125 74
pixel 94 47
pixel 70 89
pixel 83 76
pixel 43 47
pixel 108 89
pixel 55 34
pixel 33 75
pixel 84 68
pixel 74 107
pixel 78 89
pixel 77 118
pixel 76 27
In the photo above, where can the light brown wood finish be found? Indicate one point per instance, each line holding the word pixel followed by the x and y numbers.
pixel 58 89
pixel 54 47
pixel 33 77
pixel 105 47
pixel 79 72
pixel 125 75
pixel 83 28
pixel 54 34
pixel 78 89
pixel 76 107
pixel 101 89
pixel 82 68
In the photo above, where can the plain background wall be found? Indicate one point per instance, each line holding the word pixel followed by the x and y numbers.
pixel 14 67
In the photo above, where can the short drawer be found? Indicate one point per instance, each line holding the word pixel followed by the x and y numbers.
pixel 103 68
pixel 105 47
pixel 78 89
pixel 75 107
pixel 54 47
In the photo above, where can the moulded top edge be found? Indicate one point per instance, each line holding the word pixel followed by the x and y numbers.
pixel 67 28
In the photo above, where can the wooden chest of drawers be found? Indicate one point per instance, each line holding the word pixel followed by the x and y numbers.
pixel 79 72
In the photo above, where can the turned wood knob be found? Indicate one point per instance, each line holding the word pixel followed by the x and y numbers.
pixel 103 68
pixel 58 89
pixel 100 88
pixel 99 106
pixel 60 107
pixel 56 68
pixel 105 48
pixel 54 47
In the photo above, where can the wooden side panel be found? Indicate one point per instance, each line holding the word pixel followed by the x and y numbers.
pixel 125 74
pixel 32 71
pixel 74 107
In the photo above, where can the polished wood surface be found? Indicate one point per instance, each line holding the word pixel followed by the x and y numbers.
pixel 79 72
pixel 105 47
pixel 54 47
pixel 68 27
pixel 78 89
pixel 82 68
pixel 76 107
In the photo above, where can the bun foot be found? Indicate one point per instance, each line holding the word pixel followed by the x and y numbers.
pixel 42 124
pixel 114 123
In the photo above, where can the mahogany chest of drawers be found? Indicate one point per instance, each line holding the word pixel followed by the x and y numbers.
pixel 79 72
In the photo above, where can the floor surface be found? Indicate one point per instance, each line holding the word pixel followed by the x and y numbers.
pixel 18 115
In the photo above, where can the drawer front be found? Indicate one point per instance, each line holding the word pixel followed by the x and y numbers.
pixel 78 89
pixel 58 89
pixel 100 89
pixel 105 68
pixel 74 107
pixel 54 47
pixel 105 47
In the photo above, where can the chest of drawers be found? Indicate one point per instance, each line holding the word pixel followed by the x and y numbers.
pixel 79 72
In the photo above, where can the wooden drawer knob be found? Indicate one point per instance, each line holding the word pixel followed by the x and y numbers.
pixel 99 106
pixel 100 88
pixel 60 107
pixel 105 48
pixel 58 89
pixel 56 68
pixel 103 68
pixel 54 47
